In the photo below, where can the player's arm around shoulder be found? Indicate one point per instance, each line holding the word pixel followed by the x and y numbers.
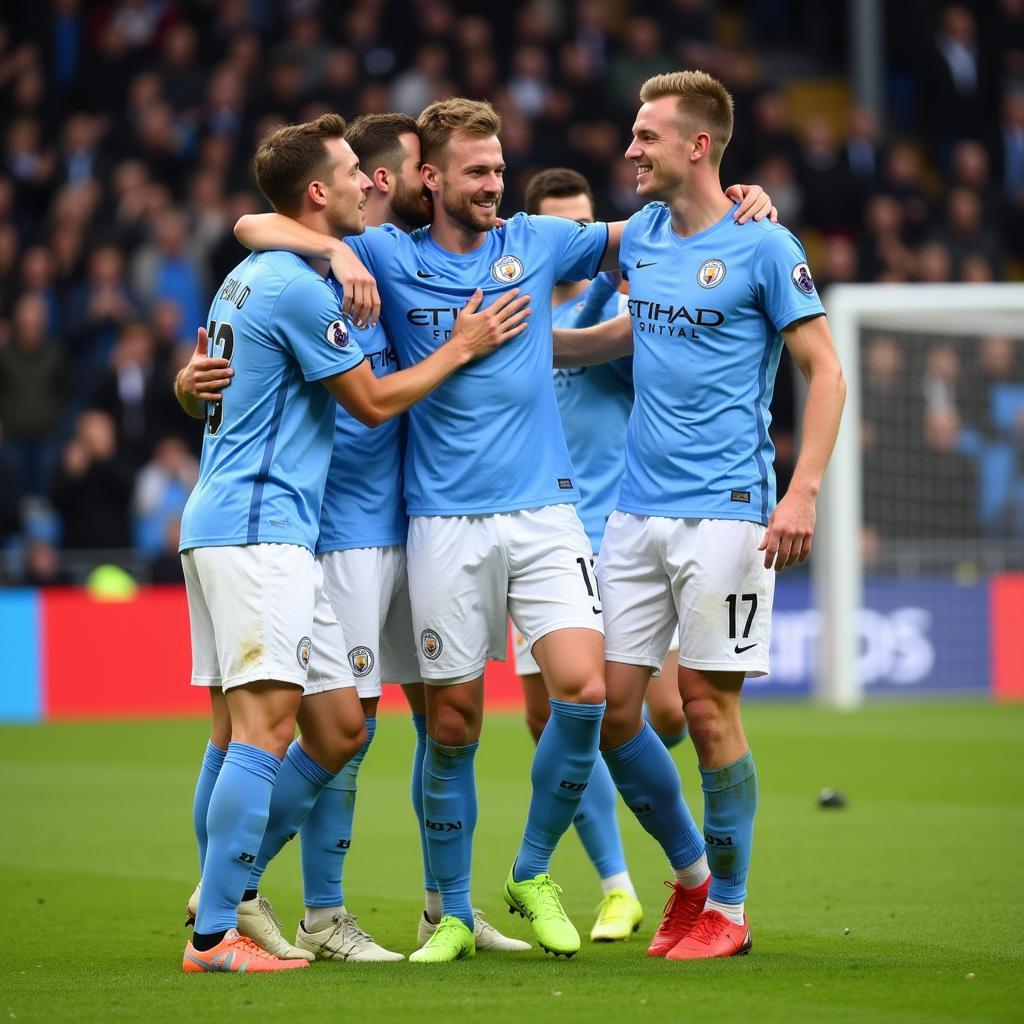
pixel 263 232
pixel 373 400
pixel 791 527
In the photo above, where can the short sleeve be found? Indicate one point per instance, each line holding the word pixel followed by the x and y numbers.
pixel 785 288
pixel 577 249
pixel 626 244
pixel 307 321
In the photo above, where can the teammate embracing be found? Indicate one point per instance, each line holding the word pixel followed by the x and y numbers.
pixel 264 638
pixel 697 532
pixel 490 490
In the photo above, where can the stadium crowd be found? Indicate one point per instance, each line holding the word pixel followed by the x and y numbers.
pixel 124 136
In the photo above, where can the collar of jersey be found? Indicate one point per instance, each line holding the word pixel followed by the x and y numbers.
pixel 458 257
pixel 701 235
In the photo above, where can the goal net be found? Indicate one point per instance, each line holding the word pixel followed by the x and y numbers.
pixel 924 496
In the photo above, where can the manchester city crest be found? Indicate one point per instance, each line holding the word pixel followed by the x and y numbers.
pixel 302 652
pixel 711 273
pixel 361 660
pixel 507 269
pixel 337 334
pixel 430 643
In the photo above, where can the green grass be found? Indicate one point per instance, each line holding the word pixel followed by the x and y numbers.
pixel 924 869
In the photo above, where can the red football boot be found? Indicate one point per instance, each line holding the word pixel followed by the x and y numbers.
pixel 681 911
pixel 713 935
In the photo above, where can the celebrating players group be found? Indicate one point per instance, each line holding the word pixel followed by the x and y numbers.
pixel 333 543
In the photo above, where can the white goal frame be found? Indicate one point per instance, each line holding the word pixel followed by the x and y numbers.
pixel 836 568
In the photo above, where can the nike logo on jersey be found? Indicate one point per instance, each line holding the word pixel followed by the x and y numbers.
pixel 640 264
pixel 420 274
pixel 741 650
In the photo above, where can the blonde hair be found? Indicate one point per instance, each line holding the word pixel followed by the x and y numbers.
pixel 458 116
pixel 704 104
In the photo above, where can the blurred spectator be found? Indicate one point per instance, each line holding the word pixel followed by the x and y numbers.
pixel 829 190
pixel 126 392
pixel 161 489
pixel 956 88
pixel 33 393
pixel 43 567
pixel 965 233
pixel 165 269
pixel 97 310
pixel 92 486
pixel 944 481
pixel 641 58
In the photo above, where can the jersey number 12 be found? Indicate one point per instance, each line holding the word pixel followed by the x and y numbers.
pixel 222 346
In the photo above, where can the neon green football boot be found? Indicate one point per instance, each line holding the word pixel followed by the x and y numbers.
pixel 451 940
pixel 618 917
pixel 537 900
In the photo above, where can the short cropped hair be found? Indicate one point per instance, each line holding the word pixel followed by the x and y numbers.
pixel 704 105
pixel 291 157
pixel 556 183
pixel 458 116
pixel 374 138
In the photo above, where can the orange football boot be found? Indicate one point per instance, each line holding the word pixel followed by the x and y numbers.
pixel 235 954
pixel 679 916
pixel 713 935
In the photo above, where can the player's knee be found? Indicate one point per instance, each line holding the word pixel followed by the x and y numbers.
pixel 668 721
pixel 452 727
pixel 619 725
pixel 585 689
pixel 707 723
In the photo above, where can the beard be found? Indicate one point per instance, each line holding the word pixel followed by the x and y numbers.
pixel 411 205
pixel 461 210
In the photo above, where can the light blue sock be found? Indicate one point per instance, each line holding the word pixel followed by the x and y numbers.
pixel 597 825
pixel 449 814
pixel 299 783
pixel 326 834
pixel 235 822
pixel 419 723
pixel 563 764
pixel 730 799
pixel 213 761
pixel 648 780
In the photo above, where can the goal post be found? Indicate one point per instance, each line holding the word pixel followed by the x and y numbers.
pixel 837 569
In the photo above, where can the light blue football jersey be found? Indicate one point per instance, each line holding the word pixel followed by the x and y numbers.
pixel 363 503
pixel 594 403
pixel 707 312
pixel 267 443
pixel 489 439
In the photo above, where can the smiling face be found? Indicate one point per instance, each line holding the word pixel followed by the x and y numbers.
pixel 659 150
pixel 470 185
pixel 344 195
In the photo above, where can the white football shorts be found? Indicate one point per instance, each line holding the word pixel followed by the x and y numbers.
pixel 259 611
pixel 467 574
pixel 706 575
pixel 369 591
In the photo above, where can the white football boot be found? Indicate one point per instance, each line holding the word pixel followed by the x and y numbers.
pixel 343 939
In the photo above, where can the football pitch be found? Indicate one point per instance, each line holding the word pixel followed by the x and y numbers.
pixel 905 906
